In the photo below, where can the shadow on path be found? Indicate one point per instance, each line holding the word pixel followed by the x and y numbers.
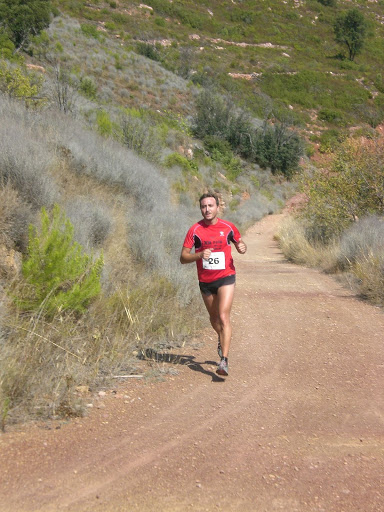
pixel 162 357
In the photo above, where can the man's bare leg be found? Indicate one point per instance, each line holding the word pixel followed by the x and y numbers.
pixel 219 309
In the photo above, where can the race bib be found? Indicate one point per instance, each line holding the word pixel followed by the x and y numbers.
pixel 216 261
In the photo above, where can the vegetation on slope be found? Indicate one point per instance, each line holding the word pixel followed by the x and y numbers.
pixel 288 50
pixel 340 225
pixel 122 114
pixel 119 204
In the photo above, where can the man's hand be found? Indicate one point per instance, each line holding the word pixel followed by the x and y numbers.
pixel 241 247
pixel 188 257
pixel 206 254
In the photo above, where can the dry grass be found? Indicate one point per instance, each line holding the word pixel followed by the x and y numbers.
pixel 369 272
pixel 15 215
pixel 296 247
pixel 118 203
pixel 358 257
pixel 44 364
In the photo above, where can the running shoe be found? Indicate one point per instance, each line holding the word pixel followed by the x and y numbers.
pixel 219 349
pixel 222 369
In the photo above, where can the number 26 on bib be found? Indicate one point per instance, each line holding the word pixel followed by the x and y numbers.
pixel 216 261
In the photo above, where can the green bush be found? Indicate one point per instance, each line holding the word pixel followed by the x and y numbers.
pixel 90 30
pixel 40 46
pixel 217 115
pixel 353 188
pixel 24 19
pixel 140 135
pixel 329 141
pixel 220 151
pixel 59 276
pixel 88 87
pixel 175 159
pixel 277 147
pixel 218 148
pixel 7 48
pixel 104 123
pixel 233 168
pixel 109 25
pixel 328 3
pixel 16 83
pixel 240 15
pixel 160 22
pixel 329 115
pixel 148 50
pixel 378 82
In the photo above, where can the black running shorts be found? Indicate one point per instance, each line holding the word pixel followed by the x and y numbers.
pixel 211 288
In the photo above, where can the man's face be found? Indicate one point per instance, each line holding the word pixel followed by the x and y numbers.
pixel 208 208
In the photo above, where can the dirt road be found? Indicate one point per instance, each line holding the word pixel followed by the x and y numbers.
pixel 298 426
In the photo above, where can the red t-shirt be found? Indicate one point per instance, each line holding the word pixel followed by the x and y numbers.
pixel 218 238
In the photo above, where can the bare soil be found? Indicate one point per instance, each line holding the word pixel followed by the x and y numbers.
pixel 297 426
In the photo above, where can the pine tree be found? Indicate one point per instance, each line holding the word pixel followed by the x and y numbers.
pixel 59 275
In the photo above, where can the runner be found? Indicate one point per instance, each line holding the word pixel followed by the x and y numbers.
pixel 211 238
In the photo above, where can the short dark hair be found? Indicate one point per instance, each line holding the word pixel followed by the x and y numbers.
pixel 209 194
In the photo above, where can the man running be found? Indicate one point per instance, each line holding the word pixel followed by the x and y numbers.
pixel 212 239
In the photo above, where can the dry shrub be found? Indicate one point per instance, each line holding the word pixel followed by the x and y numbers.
pixel 369 271
pixel 25 158
pixel 359 254
pixel 255 208
pixel 91 219
pixel 361 239
pixel 296 247
pixel 8 207
pixel 293 243
pixel 362 253
pixel 15 217
pixel 44 363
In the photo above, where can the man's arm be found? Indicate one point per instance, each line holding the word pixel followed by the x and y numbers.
pixel 189 257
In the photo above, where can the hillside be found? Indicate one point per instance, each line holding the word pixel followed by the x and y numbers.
pixel 274 57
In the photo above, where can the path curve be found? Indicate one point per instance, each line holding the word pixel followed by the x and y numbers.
pixel 296 427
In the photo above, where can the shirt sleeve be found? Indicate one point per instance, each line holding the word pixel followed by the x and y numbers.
pixel 235 234
pixel 189 239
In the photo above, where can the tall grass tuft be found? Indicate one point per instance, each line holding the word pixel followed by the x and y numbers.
pixel 358 254
pixel 362 239
pixel 293 241
pixel 362 253
pixel 369 272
